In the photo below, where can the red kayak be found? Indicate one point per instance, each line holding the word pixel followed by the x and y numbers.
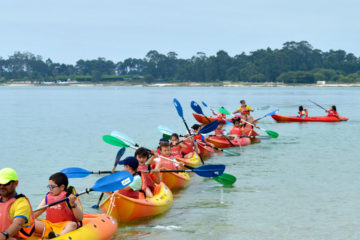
pixel 221 142
pixel 205 151
pixel 280 118
pixel 202 119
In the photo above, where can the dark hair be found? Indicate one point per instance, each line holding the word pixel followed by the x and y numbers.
pixel 142 152
pixel 235 119
pixel 301 108
pixel 164 144
pixel 333 107
pixel 221 123
pixel 175 135
pixel 60 179
pixel 242 101
pixel 196 126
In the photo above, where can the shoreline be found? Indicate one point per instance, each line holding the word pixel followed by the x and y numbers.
pixel 184 84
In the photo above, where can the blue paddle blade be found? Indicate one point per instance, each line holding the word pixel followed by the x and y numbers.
pixel 165 130
pixel 123 137
pixel 196 108
pixel 273 112
pixel 203 103
pixel 119 155
pixel 75 172
pixel 210 170
pixel 113 182
pixel 209 127
pixel 178 107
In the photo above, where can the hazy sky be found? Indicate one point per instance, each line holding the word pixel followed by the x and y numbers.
pixel 67 31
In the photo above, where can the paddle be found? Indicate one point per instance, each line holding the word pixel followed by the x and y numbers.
pixel 266 115
pixel 108 183
pixel 230 153
pixel 196 107
pixel 225 179
pixel 202 171
pixel 117 159
pixel 180 113
pixel 326 110
pixel 269 132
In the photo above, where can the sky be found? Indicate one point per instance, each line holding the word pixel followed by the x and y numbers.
pixel 66 31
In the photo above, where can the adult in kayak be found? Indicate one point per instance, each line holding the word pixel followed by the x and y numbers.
pixel 61 218
pixel 302 112
pixel 16 219
pixel 244 109
pixel 332 111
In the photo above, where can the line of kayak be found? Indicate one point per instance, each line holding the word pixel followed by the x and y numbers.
pixel 281 118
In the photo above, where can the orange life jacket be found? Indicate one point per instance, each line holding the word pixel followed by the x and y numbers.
pixel 146 179
pixel 219 132
pixel 5 220
pixel 332 113
pixel 175 150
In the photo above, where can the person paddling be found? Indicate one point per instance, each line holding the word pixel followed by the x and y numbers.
pixel 177 148
pixel 131 165
pixel 244 109
pixel 332 112
pixel 63 217
pixel 219 131
pixel 302 112
pixel 148 183
pixel 16 219
pixel 161 161
pixel 219 114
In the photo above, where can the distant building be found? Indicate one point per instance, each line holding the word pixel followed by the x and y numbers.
pixel 321 82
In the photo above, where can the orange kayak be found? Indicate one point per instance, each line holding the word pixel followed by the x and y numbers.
pixel 202 119
pixel 281 118
pixel 95 227
pixel 205 151
pixel 125 209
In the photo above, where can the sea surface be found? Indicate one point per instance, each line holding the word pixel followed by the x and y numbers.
pixel 303 185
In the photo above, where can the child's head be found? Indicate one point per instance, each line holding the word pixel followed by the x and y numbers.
pixel 196 127
pixel 165 149
pixel 130 164
pixel 236 121
pixel 142 154
pixel 58 182
pixel 242 102
pixel 301 108
pixel 174 138
pixel 220 125
pixel 333 107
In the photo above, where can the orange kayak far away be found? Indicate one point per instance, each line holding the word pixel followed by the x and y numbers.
pixel 202 119
pixel 280 118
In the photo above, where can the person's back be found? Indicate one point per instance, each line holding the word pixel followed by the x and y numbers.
pixel 131 165
pixel 332 112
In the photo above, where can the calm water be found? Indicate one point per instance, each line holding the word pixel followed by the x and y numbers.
pixel 303 185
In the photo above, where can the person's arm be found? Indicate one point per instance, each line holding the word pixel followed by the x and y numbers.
pixel 14 227
pixel 236 111
pixel 75 207
pixel 38 213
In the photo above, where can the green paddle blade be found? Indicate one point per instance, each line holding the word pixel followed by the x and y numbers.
pixel 231 153
pixel 166 136
pixel 225 179
pixel 224 111
pixel 272 133
pixel 114 141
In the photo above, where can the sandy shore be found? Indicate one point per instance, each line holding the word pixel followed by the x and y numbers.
pixel 184 84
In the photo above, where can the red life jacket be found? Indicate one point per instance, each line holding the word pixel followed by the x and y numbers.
pixel 332 113
pixel 166 163
pixel 60 212
pixel 146 179
pixel 130 193
pixel 199 138
pixel 5 220
pixel 244 111
pixel 175 150
pixel 189 147
pixel 236 131
pixel 219 132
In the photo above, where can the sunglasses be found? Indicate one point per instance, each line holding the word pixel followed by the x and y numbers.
pixel 7 184
pixel 52 187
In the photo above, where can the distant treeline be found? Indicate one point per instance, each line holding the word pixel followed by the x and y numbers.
pixel 295 62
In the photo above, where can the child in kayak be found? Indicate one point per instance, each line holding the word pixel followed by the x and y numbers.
pixel 302 112
pixel 162 161
pixel 131 165
pixel 176 147
pixel 332 112
pixel 244 109
pixel 199 138
pixel 63 217
pixel 142 155
pixel 219 114
pixel 219 131
pixel 238 128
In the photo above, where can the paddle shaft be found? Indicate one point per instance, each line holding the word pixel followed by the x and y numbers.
pixel 62 200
